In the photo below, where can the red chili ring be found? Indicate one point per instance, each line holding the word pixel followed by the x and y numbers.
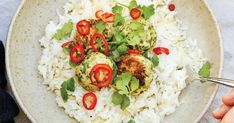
pixel 93 101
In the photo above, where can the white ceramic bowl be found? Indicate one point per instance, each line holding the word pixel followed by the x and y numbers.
pixel 23 53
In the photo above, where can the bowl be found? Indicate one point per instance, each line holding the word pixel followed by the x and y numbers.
pixel 23 53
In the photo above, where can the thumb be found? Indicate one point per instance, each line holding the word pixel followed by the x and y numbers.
pixel 229 117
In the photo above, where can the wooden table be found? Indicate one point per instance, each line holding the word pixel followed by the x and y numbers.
pixel 224 12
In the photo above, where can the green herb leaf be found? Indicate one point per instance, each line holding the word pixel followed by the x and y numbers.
pixel 125 103
pixel 132 4
pixel 122 49
pixel 131 121
pixel 117 98
pixel 71 85
pixel 134 84
pixel 147 11
pixel 126 77
pixel 205 70
pixel 155 60
pixel 117 9
pixel 63 91
pixel 115 56
pixel 120 86
pixel 100 27
pixel 119 19
pixel 64 32
pixel 119 37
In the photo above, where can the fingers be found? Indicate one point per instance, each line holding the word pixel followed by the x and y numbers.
pixel 221 111
pixel 229 117
pixel 228 99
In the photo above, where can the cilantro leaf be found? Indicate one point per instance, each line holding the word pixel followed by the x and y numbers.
pixel 132 4
pixel 100 27
pixel 64 32
pixel 117 9
pixel 115 56
pixel 117 98
pixel 120 86
pixel 125 103
pixel 205 70
pixel 63 91
pixel 126 77
pixel 131 121
pixel 122 49
pixel 119 19
pixel 71 85
pixel 134 84
pixel 119 37
pixel 155 60
pixel 147 11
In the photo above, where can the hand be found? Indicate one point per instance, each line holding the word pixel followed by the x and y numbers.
pixel 225 112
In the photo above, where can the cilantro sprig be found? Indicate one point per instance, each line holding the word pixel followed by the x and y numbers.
pixel 68 85
pixel 119 19
pixel 147 11
pixel 126 83
pixel 122 100
pixel 100 27
pixel 65 31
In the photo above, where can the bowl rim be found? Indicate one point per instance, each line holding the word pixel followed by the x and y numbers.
pixel 31 118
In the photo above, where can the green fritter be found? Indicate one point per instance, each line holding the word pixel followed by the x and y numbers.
pixel 140 34
pixel 83 70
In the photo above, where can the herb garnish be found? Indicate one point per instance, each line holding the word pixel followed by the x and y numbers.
pixel 64 32
pixel 68 85
pixel 126 83
pixel 131 121
pixel 122 100
pixel 155 60
pixel 101 27
pixel 205 70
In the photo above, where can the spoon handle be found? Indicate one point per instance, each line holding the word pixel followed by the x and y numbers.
pixel 226 82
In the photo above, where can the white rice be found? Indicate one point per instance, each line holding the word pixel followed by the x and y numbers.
pixel 160 99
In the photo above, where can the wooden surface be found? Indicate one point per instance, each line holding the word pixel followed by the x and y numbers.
pixel 223 11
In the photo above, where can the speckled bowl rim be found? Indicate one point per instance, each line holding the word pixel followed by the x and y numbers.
pixel 32 118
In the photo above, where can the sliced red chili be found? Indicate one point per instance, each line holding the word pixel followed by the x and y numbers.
pixel 130 51
pixel 66 44
pixel 89 101
pixel 108 17
pixel 93 42
pixel 135 13
pixel 101 75
pixel 99 14
pixel 171 7
pixel 77 54
pixel 83 27
pixel 160 50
